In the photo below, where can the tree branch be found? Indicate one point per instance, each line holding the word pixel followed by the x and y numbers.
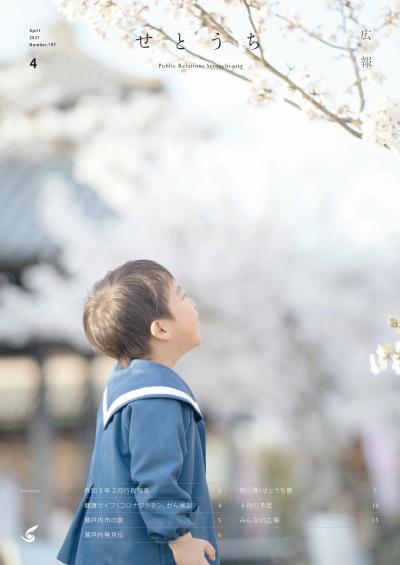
pixel 254 28
pixel 350 50
pixel 309 33
pixel 294 86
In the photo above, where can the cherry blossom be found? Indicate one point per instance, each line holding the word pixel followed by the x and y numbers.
pixel 271 83
pixel 381 123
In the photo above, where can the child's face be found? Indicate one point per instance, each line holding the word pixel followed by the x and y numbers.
pixel 185 328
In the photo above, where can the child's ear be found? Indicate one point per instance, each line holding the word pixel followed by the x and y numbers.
pixel 158 329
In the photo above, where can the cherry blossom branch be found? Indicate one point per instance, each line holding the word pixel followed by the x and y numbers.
pixel 298 25
pixel 294 86
pixel 254 29
pixel 238 75
pixel 333 117
pixel 358 81
pixel 375 125
pixel 330 115
pixel 348 49
pixel 227 33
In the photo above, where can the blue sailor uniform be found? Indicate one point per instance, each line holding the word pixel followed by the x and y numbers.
pixel 147 479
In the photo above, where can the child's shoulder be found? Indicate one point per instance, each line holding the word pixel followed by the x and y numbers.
pixel 157 412
pixel 151 390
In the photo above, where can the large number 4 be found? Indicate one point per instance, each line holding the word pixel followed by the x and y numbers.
pixel 33 63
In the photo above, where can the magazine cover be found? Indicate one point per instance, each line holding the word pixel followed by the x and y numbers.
pixel 199 282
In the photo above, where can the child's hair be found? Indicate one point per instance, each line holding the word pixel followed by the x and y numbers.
pixel 121 307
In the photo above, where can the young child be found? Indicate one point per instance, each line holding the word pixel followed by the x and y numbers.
pixel 146 499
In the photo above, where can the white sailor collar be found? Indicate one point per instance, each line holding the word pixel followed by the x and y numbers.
pixel 141 379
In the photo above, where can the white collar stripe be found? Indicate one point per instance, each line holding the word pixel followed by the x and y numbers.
pixel 140 392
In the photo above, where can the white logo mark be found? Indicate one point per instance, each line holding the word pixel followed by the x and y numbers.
pixel 29 537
